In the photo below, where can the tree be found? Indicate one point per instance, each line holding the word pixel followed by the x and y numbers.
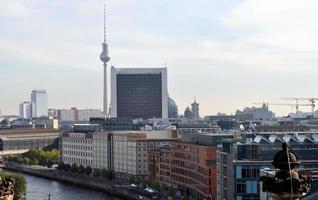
pixel 110 174
pixel 96 172
pixel 61 166
pixel 49 163
pixel 88 170
pixel 67 167
pixel 104 173
pixel 155 185
pixel 184 197
pixel 34 161
pixel 171 191
pixel 81 169
pixel 74 168
pixel 26 161
pixel 131 180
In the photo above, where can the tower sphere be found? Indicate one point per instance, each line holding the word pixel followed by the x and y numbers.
pixel 104 55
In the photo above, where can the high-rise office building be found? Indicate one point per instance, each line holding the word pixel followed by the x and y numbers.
pixel 25 110
pixel 139 92
pixel 39 106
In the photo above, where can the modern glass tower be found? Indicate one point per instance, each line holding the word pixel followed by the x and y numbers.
pixel 39 106
pixel 139 92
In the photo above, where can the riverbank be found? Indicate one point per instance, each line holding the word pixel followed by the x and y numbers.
pixel 85 181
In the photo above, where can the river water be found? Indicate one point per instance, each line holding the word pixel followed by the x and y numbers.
pixel 39 188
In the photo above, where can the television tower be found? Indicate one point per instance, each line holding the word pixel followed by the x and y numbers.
pixel 104 57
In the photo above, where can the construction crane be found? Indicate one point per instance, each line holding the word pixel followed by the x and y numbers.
pixel 312 101
pixel 294 99
pixel 285 104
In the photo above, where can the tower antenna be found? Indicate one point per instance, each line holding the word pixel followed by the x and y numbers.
pixel 104 57
pixel 104 23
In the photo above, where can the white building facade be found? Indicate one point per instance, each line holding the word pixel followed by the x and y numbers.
pixel 39 107
pixel 25 110
pixel 76 148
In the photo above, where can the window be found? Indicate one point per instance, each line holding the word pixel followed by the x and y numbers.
pixel 241 188
pixel 251 187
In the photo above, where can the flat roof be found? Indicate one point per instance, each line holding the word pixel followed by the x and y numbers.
pixel 27 133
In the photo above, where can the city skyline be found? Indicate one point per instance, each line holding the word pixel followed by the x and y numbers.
pixel 235 52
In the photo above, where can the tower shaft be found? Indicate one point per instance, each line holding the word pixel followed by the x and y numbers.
pixel 105 103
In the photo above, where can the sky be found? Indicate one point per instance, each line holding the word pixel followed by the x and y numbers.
pixel 226 54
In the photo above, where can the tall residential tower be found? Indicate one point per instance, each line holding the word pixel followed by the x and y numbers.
pixel 105 58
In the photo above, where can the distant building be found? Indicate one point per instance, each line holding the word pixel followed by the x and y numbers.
pixel 15 141
pixel 25 110
pixel 215 118
pixel 75 114
pixel 139 92
pixel 188 113
pixel 113 124
pixel 197 127
pixel 52 113
pixel 254 113
pixel 172 108
pixel 39 106
pixel 195 110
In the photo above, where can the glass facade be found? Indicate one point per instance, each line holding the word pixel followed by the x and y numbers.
pixel 139 95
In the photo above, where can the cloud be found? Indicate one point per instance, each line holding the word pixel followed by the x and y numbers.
pixel 14 9
pixel 285 28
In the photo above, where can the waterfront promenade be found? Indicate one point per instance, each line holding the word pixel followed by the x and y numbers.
pixel 89 182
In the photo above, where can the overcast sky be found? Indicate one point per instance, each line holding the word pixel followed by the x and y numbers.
pixel 228 54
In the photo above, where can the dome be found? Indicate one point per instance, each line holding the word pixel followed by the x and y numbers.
pixel 188 113
pixel 171 103
pixel 172 108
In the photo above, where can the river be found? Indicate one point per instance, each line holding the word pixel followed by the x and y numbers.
pixel 39 188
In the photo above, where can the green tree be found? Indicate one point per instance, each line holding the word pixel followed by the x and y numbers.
pixel 154 184
pixel 74 168
pixel 131 180
pixel 34 161
pixel 110 174
pixel 49 163
pixel 81 169
pixel 88 170
pixel 67 167
pixel 184 197
pixel 26 161
pixel 171 191
pixel 61 166
pixel 104 173
pixel 96 172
